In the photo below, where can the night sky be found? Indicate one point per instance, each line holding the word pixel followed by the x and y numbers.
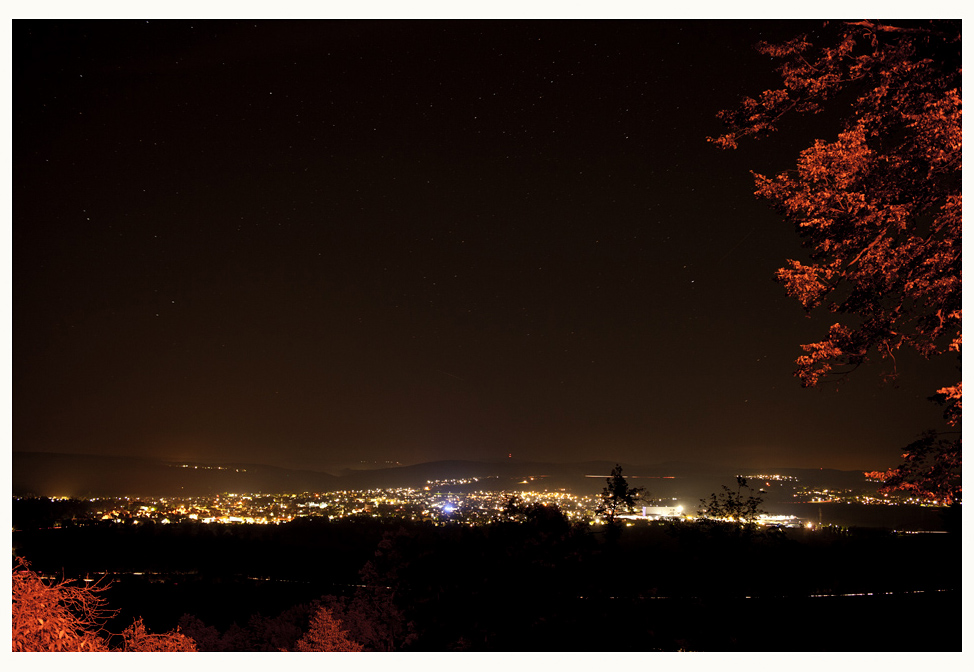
pixel 312 243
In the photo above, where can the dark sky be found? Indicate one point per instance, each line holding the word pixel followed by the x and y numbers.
pixel 318 242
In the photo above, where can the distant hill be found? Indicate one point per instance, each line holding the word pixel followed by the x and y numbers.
pixel 58 474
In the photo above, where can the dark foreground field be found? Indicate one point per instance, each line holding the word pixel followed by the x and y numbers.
pixel 536 585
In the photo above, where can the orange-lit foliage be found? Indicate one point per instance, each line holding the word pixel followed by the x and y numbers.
pixel 931 470
pixel 64 617
pixel 136 639
pixel 879 207
pixel 55 617
pixel 326 634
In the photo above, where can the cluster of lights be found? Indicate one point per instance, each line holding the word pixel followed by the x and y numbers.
pixel 423 504
pixel 453 481
pixel 209 467
pixel 472 508
pixel 806 495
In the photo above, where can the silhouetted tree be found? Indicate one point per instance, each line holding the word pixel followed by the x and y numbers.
pixel 281 632
pixel 879 208
pixel 238 638
pixel 372 614
pixel 207 637
pixel 260 633
pixel 535 514
pixel 733 506
pixel 617 496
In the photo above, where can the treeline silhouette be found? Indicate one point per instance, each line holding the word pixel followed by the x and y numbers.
pixel 535 582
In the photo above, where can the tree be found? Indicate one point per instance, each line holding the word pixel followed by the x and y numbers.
pixel 326 634
pixel 55 617
pixel 617 496
pixel 260 633
pixel 879 208
pixel 281 632
pixel 732 506
pixel 931 470
pixel 372 614
pixel 136 639
pixel 206 637
pixel 64 617
pixel 535 514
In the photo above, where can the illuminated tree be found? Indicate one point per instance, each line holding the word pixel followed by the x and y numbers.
pixel 373 615
pixel 617 496
pixel 732 506
pixel 137 640
pixel 326 634
pixel 55 617
pixel 931 470
pixel 879 207
pixel 65 617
